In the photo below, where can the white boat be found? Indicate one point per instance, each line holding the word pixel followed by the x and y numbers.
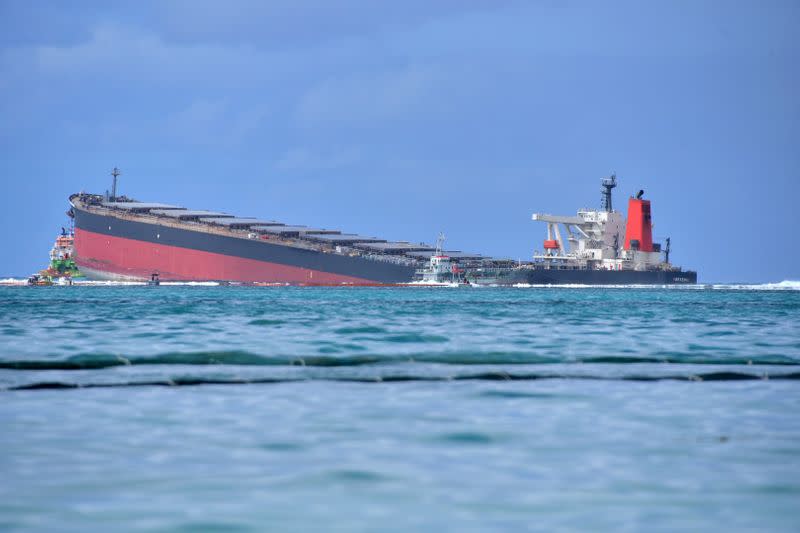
pixel 440 270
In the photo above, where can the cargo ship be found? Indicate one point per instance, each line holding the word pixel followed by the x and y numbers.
pixel 597 247
pixel 119 238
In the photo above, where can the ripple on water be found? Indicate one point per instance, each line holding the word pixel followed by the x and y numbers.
pixel 222 527
pixel 266 322
pixel 362 329
pixel 723 333
pixel 331 348
pixel 466 437
pixel 150 334
pixel 356 476
pixel 510 394
pixel 414 337
pixel 282 446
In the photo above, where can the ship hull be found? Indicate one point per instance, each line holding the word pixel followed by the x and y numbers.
pixel 108 247
pixel 542 276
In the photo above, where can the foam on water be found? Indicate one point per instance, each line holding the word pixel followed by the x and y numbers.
pixel 13 281
pixel 191 283
pixel 783 285
pixel 786 285
pixel 108 283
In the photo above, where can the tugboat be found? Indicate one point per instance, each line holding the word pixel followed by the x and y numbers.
pixel 62 269
pixel 440 270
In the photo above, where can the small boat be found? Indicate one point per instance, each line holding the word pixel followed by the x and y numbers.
pixel 38 281
pixel 440 271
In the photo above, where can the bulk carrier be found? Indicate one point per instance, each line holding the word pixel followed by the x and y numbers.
pixel 119 238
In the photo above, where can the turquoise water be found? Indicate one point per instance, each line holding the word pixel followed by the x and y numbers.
pixel 188 408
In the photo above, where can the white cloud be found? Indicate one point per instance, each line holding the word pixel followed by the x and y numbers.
pixel 214 122
pixel 368 97
pixel 124 54
pixel 305 159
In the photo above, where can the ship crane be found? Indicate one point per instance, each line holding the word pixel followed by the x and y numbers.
pixel 593 235
pixel 588 228
pixel 554 241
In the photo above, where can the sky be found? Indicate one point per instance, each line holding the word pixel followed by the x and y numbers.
pixel 403 119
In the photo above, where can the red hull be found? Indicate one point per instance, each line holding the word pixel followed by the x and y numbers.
pixel 128 258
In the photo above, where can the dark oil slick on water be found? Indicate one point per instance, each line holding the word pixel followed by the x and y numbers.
pixel 193 408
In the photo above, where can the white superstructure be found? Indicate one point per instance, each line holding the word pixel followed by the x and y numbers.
pixel 596 239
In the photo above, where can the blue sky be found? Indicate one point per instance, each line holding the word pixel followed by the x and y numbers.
pixel 401 119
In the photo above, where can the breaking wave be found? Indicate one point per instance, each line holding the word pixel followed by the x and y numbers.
pixel 397 378
pixel 234 358
pixel 786 285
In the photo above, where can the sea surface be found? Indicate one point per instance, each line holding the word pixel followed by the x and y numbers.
pixel 214 408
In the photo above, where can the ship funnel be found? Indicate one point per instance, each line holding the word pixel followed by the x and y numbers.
pixel 639 229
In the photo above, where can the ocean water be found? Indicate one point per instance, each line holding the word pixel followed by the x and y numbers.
pixel 208 408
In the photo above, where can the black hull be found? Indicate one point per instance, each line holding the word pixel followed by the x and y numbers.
pixel 542 276
pixel 117 248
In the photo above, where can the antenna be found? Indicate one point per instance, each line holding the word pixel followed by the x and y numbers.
pixel 608 184
pixel 115 172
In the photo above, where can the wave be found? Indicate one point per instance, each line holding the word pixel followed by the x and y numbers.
pixel 484 376
pixel 234 358
pixel 191 283
pixel 117 283
pixel 593 286
pixel 91 361
pixel 140 283
pixel 108 283
pixel 785 285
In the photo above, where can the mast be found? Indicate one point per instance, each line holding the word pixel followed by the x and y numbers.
pixel 115 172
pixel 439 243
pixel 608 184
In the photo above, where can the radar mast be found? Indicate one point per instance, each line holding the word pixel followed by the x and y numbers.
pixel 114 173
pixel 608 184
